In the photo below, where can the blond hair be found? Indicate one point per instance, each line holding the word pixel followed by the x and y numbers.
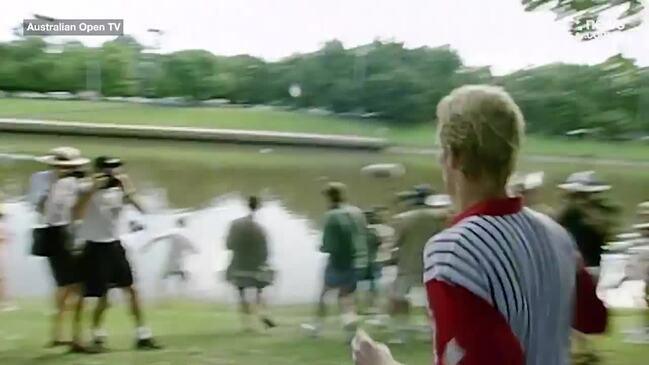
pixel 485 127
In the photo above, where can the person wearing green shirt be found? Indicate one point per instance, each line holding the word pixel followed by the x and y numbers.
pixel 344 239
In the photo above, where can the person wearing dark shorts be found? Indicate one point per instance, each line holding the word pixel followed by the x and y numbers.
pixel 344 239
pixel 249 267
pixel 63 263
pixel 105 266
pixel 53 193
pixel 104 263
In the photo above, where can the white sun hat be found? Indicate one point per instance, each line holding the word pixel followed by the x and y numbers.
pixel 438 201
pixel 526 182
pixel 64 157
pixel 584 182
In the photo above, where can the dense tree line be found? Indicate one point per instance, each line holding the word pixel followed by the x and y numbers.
pixel 384 80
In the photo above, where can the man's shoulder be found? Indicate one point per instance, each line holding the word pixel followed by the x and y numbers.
pixel 549 224
pixel 446 240
pixel 40 176
pixel 238 221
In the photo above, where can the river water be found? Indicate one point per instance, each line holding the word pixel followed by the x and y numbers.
pixel 208 184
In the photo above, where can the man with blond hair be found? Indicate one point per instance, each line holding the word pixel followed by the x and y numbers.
pixel 505 284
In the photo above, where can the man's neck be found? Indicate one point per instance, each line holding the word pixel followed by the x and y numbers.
pixel 474 192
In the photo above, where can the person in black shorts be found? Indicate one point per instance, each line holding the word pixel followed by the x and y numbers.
pixel 104 264
pixel 53 193
pixel 249 267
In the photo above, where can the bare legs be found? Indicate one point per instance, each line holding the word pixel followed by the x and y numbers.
pixel 249 310
pixel 62 296
pixel 100 309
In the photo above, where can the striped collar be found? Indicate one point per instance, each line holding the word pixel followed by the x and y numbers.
pixel 501 206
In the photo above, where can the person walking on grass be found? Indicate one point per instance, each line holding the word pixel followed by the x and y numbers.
pixel 505 283
pixel 104 263
pixel 637 267
pixel 52 194
pixel 5 304
pixel 590 220
pixel 249 267
pixel 372 275
pixel 179 248
pixel 344 239
pixel 412 229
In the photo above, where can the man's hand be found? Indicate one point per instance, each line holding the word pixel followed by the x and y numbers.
pixel 368 352
pixel 99 181
pixel 126 183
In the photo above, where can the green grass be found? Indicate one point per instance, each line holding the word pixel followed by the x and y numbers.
pixel 421 135
pixel 202 333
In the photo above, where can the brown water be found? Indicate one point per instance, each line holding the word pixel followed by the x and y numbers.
pixel 193 175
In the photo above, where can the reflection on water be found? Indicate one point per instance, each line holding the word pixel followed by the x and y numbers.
pixel 293 253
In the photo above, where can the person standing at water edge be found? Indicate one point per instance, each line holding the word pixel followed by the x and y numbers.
pixel 179 247
pixel 5 305
pixel 249 266
pixel 413 229
pixel 374 268
pixel 104 263
pixel 53 193
pixel 344 239
pixel 504 283
pixel 587 216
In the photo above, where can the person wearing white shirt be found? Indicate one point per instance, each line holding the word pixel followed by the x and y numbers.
pixel 53 193
pixel 179 247
pixel 5 305
pixel 104 263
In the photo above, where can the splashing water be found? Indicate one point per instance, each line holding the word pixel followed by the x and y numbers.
pixel 293 242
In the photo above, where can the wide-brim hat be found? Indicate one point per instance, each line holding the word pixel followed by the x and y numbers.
pixel 438 201
pixel 63 157
pixel 527 182
pixel 584 182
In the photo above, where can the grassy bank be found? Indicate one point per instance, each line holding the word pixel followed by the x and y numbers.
pixel 201 333
pixel 258 119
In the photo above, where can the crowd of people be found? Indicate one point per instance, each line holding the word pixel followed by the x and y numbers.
pixel 491 257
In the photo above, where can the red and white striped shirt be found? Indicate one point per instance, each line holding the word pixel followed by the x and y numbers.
pixel 505 285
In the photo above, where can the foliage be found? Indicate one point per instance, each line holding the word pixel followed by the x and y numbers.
pixel 384 80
